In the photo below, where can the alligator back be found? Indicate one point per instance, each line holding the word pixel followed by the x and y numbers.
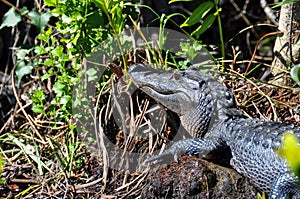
pixel 254 145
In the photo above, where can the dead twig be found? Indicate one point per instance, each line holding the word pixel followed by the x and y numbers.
pixel 256 47
pixel 28 117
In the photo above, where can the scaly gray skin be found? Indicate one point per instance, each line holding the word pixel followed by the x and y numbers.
pixel 207 111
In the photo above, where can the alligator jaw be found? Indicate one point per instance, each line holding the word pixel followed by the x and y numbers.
pixel 172 90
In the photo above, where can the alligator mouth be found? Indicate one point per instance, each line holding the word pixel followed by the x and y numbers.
pixel 159 91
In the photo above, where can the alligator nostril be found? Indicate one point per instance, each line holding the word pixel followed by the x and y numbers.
pixel 176 76
pixel 137 68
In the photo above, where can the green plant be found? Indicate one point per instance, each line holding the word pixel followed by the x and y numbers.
pixel 1 169
pixel 190 51
pixel 203 16
pixel 278 4
pixel 262 196
pixel 10 19
pixel 290 150
pixel 79 29
pixel 67 154
pixel 295 74
pixel 76 29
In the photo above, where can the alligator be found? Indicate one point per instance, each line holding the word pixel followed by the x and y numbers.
pixel 208 112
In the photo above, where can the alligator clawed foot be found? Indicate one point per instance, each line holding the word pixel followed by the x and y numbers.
pixel 152 159
pixel 174 152
pixel 160 157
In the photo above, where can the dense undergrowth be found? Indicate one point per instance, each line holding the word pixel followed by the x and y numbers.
pixel 43 153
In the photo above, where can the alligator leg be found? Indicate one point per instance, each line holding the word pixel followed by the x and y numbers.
pixel 200 146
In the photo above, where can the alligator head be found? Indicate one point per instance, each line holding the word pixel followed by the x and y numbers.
pixel 194 96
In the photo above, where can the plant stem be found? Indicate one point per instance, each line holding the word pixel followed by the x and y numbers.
pixel 221 34
pixel 116 34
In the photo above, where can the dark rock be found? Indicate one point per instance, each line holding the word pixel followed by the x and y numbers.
pixel 192 177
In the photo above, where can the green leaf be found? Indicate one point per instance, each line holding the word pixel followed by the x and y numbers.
pixel 172 1
pixel 92 74
pixel 198 14
pixel 40 50
pixel 58 88
pixel 38 108
pixel 50 2
pixel 24 11
pixel 58 51
pixel 48 62
pixel 46 76
pixel 209 20
pixel 38 96
pixel 291 150
pixel 10 19
pixel 39 20
pixel 262 196
pixel 100 4
pixel 22 53
pixel 29 152
pixel 285 2
pixel 191 51
pixel 95 20
pixel 23 69
pixel 65 99
pixel 295 74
